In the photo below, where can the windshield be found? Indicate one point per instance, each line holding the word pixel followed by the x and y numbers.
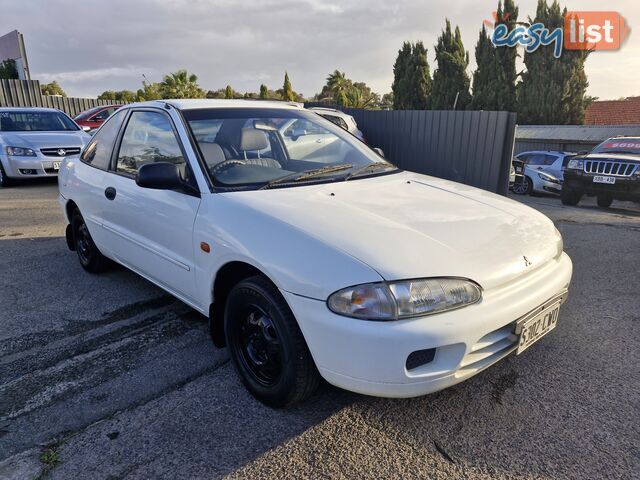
pixel 265 147
pixel 34 121
pixel 619 145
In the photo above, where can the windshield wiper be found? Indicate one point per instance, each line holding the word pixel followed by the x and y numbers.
pixel 300 176
pixel 370 168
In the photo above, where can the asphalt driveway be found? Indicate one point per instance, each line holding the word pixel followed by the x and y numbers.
pixel 108 377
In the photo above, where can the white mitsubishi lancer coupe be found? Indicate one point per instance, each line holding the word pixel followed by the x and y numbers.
pixel 323 261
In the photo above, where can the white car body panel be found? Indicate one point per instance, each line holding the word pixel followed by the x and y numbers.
pixel 313 240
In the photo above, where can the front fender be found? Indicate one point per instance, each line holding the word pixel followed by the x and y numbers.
pixel 294 260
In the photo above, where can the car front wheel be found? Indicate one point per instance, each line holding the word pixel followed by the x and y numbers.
pixel 523 187
pixel 605 201
pixel 266 345
pixel 570 197
pixel 90 257
pixel 4 180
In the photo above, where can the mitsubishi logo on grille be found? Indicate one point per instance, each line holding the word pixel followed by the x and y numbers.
pixel 526 261
pixel 62 152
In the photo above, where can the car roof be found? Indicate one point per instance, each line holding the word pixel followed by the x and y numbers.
pixel 193 104
pixel 635 139
pixel 28 109
pixel 553 152
pixel 331 111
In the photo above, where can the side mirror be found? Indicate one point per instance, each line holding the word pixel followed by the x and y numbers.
pixel 85 128
pixel 379 151
pixel 159 176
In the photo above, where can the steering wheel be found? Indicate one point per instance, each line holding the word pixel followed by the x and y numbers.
pixel 222 166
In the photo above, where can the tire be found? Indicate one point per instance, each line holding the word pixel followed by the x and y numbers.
pixel 4 180
pixel 90 257
pixel 266 345
pixel 570 197
pixel 525 187
pixel 604 201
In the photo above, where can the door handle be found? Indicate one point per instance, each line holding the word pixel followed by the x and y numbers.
pixel 110 193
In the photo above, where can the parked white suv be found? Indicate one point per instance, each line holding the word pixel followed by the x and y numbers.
pixel 341 119
pixel 381 281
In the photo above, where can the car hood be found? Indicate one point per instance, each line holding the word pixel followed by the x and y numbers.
pixel 626 157
pixel 407 225
pixel 37 140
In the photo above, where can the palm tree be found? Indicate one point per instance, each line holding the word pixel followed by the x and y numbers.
pixel 338 83
pixel 181 84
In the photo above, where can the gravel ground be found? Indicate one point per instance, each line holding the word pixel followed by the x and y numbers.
pixel 107 377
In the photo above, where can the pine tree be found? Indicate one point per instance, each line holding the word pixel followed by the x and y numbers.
pixel 412 78
pixel 552 90
pixel 401 79
pixel 485 78
pixel 506 59
pixel 264 92
pixel 420 77
pixel 287 91
pixel 450 80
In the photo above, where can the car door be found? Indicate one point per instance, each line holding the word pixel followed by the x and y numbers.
pixel 152 229
pixel 89 176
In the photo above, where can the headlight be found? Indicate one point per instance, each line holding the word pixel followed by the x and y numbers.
pixel 20 152
pixel 575 164
pixel 404 299
pixel 548 178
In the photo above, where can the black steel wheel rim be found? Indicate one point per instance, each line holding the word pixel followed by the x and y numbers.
pixel 84 244
pixel 260 350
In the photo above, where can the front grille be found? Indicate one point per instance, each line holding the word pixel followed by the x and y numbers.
pixel 54 152
pixel 489 349
pixel 613 168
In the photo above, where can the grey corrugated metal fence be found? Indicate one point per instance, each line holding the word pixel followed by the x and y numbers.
pixel 27 93
pixel 464 146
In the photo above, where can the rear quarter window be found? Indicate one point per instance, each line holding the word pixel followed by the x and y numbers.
pixel 98 152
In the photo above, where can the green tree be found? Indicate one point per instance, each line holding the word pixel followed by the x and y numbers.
pixel 264 92
pixel 149 91
pixel 506 60
pixel 180 84
pixel 412 78
pixel 229 93
pixel 52 89
pixel 124 96
pixel 287 90
pixel 386 103
pixel 337 86
pixel 487 76
pixel 9 70
pixel 450 80
pixel 401 87
pixel 552 90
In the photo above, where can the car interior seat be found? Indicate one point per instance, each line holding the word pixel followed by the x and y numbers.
pixel 254 140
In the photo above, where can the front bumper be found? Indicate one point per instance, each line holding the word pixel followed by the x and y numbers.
pixel 371 357
pixel 544 186
pixel 625 188
pixel 30 167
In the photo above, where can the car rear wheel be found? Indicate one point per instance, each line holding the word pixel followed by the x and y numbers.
pixel 523 187
pixel 605 201
pixel 570 197
pixel 4 180
pixel 266 345
pixel 90 257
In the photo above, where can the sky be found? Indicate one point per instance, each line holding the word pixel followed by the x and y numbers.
pixel 89 46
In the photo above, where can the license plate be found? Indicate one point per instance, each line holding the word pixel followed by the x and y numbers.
pixel 56 165
pixel 603 179
pixel 533 329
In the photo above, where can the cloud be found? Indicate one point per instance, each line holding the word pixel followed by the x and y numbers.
pixel 92 46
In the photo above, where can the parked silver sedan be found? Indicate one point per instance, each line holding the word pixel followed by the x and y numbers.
pixel 35 141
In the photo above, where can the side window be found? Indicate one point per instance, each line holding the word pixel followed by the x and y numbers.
pixel 550 159
pixel 149 137
pixel 98 152
pixel 337 120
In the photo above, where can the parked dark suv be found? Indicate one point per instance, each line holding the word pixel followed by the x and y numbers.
pixel 611 172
